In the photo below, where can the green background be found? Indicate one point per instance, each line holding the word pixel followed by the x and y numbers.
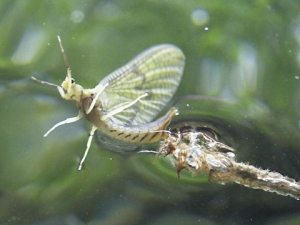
pixel 246 53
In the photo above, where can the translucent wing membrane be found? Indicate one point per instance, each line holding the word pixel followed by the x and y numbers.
pixel 156 71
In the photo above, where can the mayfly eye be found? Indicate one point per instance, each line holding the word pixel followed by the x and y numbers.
pixel 72 80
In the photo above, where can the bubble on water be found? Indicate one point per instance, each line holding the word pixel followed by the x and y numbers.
pixel 199 17
pixel 77 16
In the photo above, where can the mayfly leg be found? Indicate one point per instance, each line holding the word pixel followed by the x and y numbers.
pixel 98 90
pixel 88 145
pixel 118 110
pixel 66 121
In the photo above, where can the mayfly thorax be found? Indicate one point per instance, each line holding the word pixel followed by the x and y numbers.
pixel 123 104
pixel 198 149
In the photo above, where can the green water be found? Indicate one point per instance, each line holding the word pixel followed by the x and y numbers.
pixel 246 53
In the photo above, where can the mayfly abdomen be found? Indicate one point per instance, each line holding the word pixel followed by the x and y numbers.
pixel 146 133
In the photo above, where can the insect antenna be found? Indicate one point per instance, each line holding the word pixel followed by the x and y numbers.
pixel 63 53
pixel 45 82
pixel 69 77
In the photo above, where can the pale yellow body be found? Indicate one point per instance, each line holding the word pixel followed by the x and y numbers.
pixel 144 133
pixel 124 102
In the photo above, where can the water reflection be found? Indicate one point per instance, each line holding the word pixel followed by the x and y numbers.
pixel 261 123
pixel 242 75
pixel 29 46
pixel 200 17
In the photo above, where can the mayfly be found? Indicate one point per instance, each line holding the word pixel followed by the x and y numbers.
pixel 125 101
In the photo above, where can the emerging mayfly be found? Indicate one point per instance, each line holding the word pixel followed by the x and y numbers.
pixel 197 149
pixel 124 102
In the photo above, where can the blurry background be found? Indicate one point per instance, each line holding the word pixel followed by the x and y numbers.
pixel 246 53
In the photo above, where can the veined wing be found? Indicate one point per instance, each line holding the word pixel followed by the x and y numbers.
pixel 157 71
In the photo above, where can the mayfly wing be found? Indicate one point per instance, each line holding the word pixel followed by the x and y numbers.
pixel 156 71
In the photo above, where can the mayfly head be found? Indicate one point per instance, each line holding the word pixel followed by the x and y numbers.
pixel 68 90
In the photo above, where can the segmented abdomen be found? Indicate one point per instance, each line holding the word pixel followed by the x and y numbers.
pixel 146 133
